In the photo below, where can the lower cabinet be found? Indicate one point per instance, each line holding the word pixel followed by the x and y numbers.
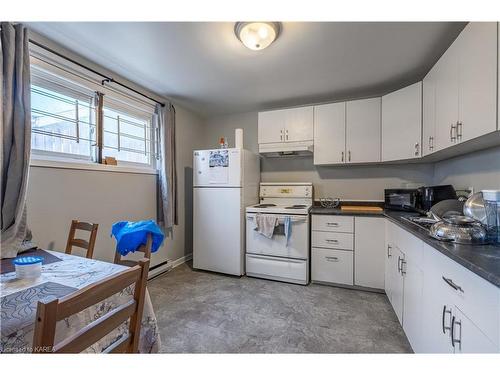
pixel 332 266
pixel 460 310
pixel 348 250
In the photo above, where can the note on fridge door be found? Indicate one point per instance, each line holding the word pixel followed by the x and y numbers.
pixel 218 167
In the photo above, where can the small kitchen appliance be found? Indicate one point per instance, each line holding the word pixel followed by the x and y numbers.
pixel 430 195
pixel 401 199
pixel 492 206
pixel 280 258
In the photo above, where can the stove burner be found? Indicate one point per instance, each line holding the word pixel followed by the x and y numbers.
pixel 264 205
pixel 296 206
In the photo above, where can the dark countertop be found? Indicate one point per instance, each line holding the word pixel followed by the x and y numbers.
pixel 483 260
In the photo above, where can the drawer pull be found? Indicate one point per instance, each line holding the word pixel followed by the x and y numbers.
pixel 452 284
pixel 389 252
pixel 332 259
pixel 334 241
pixel 332 224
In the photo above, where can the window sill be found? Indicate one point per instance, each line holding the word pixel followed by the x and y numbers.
pixel 45 162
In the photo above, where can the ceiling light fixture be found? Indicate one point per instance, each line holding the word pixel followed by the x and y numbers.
pixel 257 35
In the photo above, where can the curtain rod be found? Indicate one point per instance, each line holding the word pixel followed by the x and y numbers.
pixel 106 78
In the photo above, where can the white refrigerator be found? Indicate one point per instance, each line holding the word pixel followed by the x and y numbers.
pixel 225 181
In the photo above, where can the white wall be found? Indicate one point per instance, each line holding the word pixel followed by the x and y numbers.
pixel 56 196
pixel 345 182
pixel 480 170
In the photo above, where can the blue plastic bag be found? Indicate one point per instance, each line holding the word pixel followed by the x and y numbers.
pixel 131 235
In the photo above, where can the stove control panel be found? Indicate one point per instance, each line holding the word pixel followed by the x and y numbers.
pixel 285 191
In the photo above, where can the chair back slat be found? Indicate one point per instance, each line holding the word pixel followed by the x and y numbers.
pixel 97 329
pixel 84 244
pixel 94 293
pixel 121 345
pixel 81 225
pixel 80 243
pixel 51 311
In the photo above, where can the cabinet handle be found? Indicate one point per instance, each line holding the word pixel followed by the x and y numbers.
pixel 459 131
pixel 403 262
pixel 417 148
pixel 453 339
pixel 453 128
pixel 334 241
pixel 332 224
pixel 349 154
pixel 342 156
pixel 452 284
pixel 399 264
pixel 332 259
pixel 281 135
pixel 389 253
pixel 286 134
pixel 431 143
pixel 445 311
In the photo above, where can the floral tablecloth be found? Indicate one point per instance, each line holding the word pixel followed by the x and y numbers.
pixel 73 272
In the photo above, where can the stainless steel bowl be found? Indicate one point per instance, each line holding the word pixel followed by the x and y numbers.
pixel 459 229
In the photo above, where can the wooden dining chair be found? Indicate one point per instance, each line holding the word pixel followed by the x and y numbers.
pixel 146 249
pixel 84 244
pixel 52 310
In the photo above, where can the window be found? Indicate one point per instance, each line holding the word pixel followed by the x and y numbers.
pixel 127 136
pixel 64 115
pixel 62 123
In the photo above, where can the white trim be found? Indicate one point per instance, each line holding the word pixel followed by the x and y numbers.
pixel 182 260
pixel 47 162
pixel 169 266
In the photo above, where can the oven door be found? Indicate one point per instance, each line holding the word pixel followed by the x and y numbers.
pixel 298 244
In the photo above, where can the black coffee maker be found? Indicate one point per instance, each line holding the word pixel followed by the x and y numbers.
pixel 428 196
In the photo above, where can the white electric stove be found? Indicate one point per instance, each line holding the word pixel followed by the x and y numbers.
pixel 276 258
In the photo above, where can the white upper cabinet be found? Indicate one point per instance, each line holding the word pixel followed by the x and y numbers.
pixel 402 123
pixel 329 133
pixel 477 57
pixel 271 126
pixel 363 130
pixel 429 112
pixel 286 125
pixel 460 97
pixel 299 124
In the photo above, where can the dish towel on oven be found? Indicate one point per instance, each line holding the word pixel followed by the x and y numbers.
pixel 265 224
pixel 287 223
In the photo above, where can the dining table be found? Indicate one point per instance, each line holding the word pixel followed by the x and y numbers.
pixel 66 274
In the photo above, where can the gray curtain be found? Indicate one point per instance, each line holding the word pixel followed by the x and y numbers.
pixel 167 176
pixel 15 135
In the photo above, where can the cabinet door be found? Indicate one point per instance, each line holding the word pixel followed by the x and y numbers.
pixel 402 123
pixel 363 130
pixel 299 124
pixel 446 71
pixel 271 126
pixel 429 112
pixel 390 251
pixel 477 56
pixel 369 252
pixel 329 133
pixel 412 302
pixel 437 306
pixel 398 285
pixel 467 338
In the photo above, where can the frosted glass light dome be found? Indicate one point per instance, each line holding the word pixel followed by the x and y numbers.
pixel 257 35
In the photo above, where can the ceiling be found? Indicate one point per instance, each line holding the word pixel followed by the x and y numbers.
pixel 202 66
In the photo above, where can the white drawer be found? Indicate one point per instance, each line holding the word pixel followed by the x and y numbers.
pixel 474 296
pixel 333 240
pixel 276 268
pixel 332 266
pixel 333 223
